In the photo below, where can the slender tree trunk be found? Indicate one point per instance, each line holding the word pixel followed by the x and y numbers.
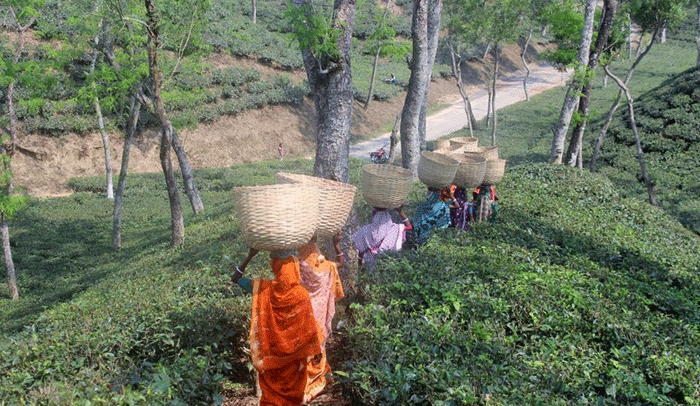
pixel 254 10
pixel 638 144
pixel 496 59
pixel 370 93
pixel 434 12
pixel 629 36
pixel 663 36
pixel 134 112
pixel 571 99
pixel 527 68
pixel 457 74
pixel 394 139
pixel 416 92
pixel 103 133
pixel 191 189
pixel 604 29
pixel 176 218
pixel 603 131
pixel 331 88
pixel 9 265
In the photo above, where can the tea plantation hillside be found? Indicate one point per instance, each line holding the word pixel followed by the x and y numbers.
pixel 573 295
pixel 668 119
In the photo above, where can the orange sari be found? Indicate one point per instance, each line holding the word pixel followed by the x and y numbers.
pixel 321 279
pixel 284 335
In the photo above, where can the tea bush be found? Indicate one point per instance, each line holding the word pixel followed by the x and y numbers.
pixel 669 130
pixel 574 296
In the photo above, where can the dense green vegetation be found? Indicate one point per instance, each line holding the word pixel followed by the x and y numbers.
pixel 197 90
pixel 578 293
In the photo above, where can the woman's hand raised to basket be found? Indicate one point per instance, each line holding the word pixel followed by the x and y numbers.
pixel 339 256
pixel 238 273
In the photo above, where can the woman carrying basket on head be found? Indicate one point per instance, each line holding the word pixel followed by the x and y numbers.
pixel 320 277
pixel 433 214
pixel 284 335
pixel 380 235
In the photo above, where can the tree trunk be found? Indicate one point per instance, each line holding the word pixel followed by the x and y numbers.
pixel 663 36
pixel 571 99
pixel 131 125
pixel 417 89
pixel 191 189
pixel 370 93
pixel 9 265
pixel 254 10
pixel 527 68
pixel 613 108
pixel 394 139
pixel 103 133
pixel 166 140
pixel 604 29
pixel 434 11
pixel 331 88
pixel 638 144
pixel 496 52
pixel 457 74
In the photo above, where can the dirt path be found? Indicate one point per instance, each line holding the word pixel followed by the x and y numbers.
pixel 509 90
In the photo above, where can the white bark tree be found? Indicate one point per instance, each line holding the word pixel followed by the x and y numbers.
pixel 572 95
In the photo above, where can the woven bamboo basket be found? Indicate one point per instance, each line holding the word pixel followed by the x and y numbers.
pixel 436 170
pixel 451 150
pixel 490 153
pixel 469 143
pixel 277 217
pixel 385 186
pixel 441 144
pixel 495 169
pixel 471 170
pixel 335 201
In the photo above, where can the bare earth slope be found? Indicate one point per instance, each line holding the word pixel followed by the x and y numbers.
pixel 247 137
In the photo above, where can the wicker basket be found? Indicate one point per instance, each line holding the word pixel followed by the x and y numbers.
pixel 490 153
pixel 277 217
pixel 469 143
pixel 385 186
pixel 495 169
pixel 436 170
pixel 335 201
pixel 441 144
pixel 451 150
pixel 471 170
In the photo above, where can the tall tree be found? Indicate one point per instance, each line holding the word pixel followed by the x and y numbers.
pixel 154 44
pixel 580 77
pixel 423 23
pixel 573 154
pixel 650 16
pixel 326 50
pixel 23 15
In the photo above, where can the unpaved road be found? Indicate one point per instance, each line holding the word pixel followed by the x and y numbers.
pixel 509 90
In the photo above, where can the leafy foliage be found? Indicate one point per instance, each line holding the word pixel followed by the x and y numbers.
pixel 573 295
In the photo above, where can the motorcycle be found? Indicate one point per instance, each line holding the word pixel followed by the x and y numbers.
pixel 379 156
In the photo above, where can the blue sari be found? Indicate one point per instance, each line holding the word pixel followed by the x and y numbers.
pixel 431 215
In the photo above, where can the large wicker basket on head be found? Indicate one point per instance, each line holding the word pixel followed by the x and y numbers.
pixel 469 143
pixel 495 169
pixel 335 201
pixel 471 170
pixel 436 170
pixel 490 153
pixel 277 217
pixel 385 186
